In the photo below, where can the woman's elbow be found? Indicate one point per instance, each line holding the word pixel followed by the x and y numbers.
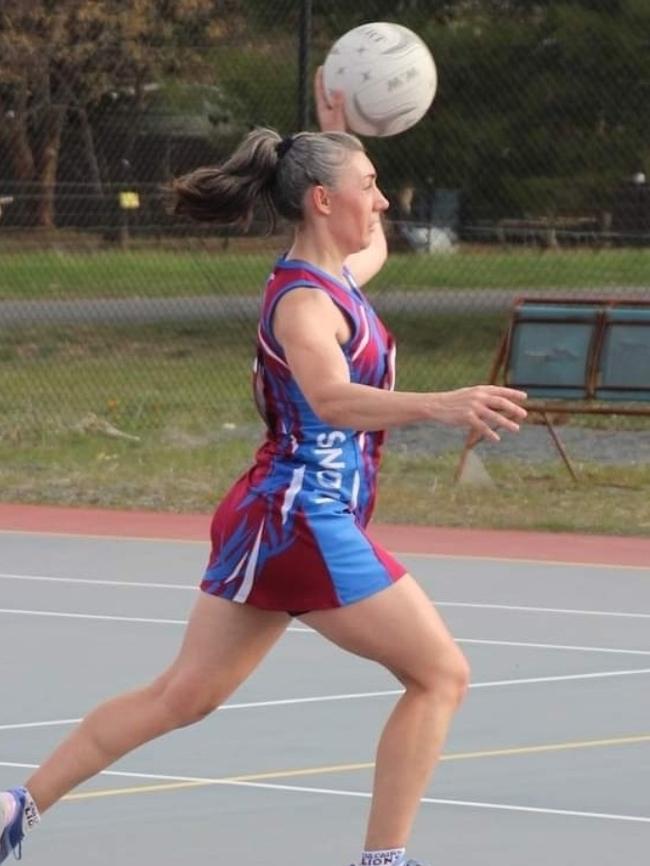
pixel 330 410
pixel 330 414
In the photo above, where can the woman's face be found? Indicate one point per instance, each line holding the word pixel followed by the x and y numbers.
pixel 356 203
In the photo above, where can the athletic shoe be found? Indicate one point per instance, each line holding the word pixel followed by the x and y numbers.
pixel 13 833
pixel 410 863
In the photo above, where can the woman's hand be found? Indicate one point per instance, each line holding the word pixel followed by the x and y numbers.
pixel 329 111
pixel 482 408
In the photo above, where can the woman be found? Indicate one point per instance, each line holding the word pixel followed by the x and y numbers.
pixel 289 538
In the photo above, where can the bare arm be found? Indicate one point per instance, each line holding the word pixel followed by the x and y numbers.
pixel 310 329
pixel 331 116
pixel 366 263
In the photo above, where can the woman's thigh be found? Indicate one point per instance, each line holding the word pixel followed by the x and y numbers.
pixel 223 643
pixel 398 627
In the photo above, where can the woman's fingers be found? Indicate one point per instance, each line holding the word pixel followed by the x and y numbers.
pixel 498 419
pixel 510 393
pixel 484 408
pixel 499 407
pixel 506 407
pixel 488 408
pixel 320 94
pixel 330 109
pixel 486 432
pixel 504 396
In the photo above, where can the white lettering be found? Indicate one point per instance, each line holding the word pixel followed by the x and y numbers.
pixel 329 458
pixel 329 478
pixel 327 440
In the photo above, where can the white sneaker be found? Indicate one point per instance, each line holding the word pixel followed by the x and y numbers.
pixel 13 832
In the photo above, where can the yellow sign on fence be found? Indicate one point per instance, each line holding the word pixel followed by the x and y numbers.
pixel 129 200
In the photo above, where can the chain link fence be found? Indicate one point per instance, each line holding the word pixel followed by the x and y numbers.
pixel 527 176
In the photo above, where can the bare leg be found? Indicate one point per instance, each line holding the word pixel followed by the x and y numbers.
pixel 223 643
pixel 401 629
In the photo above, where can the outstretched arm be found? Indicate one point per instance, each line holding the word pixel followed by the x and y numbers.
pixel 310 328
pixel 330 112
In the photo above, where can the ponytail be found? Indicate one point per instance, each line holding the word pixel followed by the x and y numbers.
pixel 267 169
pixel 227 194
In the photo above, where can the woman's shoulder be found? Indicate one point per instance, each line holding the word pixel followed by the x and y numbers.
pixel 290 274
pixel 294 270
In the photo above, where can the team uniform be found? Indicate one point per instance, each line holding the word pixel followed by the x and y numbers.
pixel 290 534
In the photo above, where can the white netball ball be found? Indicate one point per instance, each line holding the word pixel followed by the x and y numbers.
pixel 387 75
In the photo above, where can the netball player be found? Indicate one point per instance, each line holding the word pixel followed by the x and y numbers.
pixel 289 539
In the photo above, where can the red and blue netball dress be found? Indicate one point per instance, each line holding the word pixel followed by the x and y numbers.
pixel 290 534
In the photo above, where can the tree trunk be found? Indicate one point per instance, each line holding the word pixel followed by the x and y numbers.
pixel 89 148
pixel 14 133
pixel 48 164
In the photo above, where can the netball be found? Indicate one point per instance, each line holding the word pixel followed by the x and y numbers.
pixel 387 75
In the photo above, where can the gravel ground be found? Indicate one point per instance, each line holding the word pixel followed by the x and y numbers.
pixel 532 444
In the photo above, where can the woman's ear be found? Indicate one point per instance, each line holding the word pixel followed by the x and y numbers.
pixel 320 199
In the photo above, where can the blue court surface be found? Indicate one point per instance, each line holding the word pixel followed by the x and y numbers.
pixel 548 762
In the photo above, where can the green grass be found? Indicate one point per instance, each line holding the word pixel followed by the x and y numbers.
pixel 159 272
pixel 487 268
pixel 607 499
pixel 140 379
pixel 49 274
pixel 172 471
pixel 70 397
pixel 191 474
pixel 180 376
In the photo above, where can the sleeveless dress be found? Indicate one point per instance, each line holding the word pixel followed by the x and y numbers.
pixel 290 533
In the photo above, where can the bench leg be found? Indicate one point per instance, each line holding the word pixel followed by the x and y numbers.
pixel 470 442
pixel 559 445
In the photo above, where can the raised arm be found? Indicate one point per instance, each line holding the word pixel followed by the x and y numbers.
pixel 331 116
pixel 310 329
pixel 366 263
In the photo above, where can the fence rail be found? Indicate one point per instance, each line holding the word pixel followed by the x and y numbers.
pixel 510 185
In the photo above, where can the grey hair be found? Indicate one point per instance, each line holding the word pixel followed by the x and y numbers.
pixel 261 171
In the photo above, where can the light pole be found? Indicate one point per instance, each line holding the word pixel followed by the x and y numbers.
pixel 304 42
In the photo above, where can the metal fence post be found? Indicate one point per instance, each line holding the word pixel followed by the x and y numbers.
pixel 304 42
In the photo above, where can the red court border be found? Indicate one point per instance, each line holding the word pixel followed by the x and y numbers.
pixel 441 541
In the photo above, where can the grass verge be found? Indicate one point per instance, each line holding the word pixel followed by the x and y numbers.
pixel 191 475
pixel 158 272
pixel 161 418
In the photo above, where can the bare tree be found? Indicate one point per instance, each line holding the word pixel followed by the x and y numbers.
pixel 60 57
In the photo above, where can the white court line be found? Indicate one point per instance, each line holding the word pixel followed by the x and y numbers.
pixel 507 807
pixel 519 608
pixel 553 646
pixel 283 702
pixel 303 629
pixel 52 724
pixel 92 616
pixel 91 582
pixel 301 789
pixel 439 603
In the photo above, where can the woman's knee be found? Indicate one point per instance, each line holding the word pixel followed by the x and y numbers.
pixel 185 698
pixel 460 676
pixel 443 676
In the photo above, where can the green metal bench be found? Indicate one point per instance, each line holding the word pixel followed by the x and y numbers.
pixel 573 356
